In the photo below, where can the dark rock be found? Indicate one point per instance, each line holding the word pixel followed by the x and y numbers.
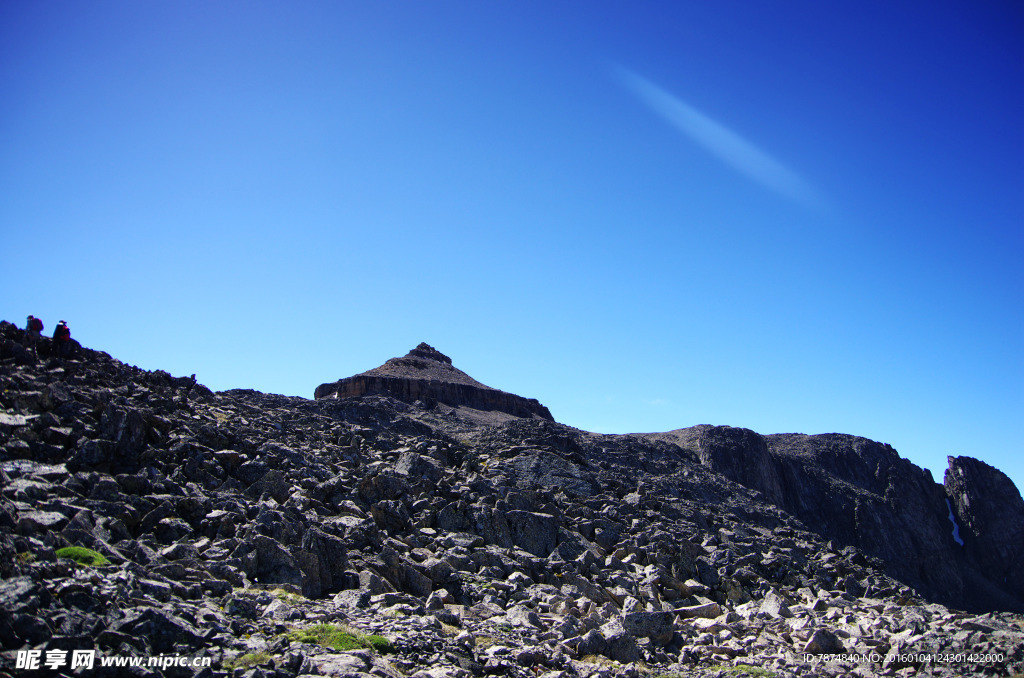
pixel 619 644
pixel 426 374
pixel 859 492
pixel 572 545
pixel 536 533
pixel 22 595
pixel 94 453
pixel 658 626
pixel 540 469
pixel 353 598
pixel 243 606
pixel 737 453
pixel 416 465
pixel 30 522
pixel 269 563
pixel 323 560
pixel 170 530
pixel 383 486
pixel 164 632
pixel 591 643
pixel 989 512
pixel 126 429
pixel 823 641
pixel 391 516
pixel 273 484
pixel 707 573
pixel 252 471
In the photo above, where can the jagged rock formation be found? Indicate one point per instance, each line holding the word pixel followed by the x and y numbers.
pixel 739 454
pixel 521 548
pixel 427 375
pixel 989 513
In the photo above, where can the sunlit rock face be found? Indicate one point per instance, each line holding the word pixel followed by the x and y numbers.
pixel 427 375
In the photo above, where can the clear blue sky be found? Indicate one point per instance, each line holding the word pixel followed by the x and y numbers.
pixel 791 217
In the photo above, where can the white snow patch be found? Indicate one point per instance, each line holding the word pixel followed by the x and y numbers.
pixel 956 528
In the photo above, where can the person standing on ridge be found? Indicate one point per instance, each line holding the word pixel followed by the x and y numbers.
pixel 62 340
pixel 33 330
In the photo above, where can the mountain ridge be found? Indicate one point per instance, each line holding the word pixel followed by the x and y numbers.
pixel 439 527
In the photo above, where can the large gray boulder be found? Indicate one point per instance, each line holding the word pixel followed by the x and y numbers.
pixel 536 533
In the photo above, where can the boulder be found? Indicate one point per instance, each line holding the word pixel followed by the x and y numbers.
pixel 823 641
pixel 267 562
pixel 620 645
pixel 658 626
pixel 536 533
pixel 323 560
pixel 417 466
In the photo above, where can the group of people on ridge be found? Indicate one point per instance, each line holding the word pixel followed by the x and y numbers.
pixel 61 337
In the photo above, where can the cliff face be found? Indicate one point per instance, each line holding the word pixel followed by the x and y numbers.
pixel 739 454
pixel 861 493
pixel 989 513
pixel 427 375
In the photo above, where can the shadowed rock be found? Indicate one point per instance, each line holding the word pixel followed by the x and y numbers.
pixel 990 514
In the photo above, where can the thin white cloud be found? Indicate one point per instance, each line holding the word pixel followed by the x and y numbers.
pixel 726 145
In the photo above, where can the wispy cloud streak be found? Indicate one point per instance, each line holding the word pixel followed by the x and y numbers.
pixel 722 142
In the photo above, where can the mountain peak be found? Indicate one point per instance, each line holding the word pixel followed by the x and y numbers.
pixel 427 375
pixel 424 363
pixel 428 352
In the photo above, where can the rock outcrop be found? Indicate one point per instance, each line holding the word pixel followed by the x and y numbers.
pixel 427 375
pixel 739 454
pixel 861 493
pixel 242 528
pixel 989 520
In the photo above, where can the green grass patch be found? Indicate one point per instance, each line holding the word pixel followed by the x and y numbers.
pixel 288 596
pixel 449 630
pixel 341 638
pixel 484 642
pixel 83 556
pixel 247 661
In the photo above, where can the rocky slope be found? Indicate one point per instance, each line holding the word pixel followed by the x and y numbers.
pixel 236 522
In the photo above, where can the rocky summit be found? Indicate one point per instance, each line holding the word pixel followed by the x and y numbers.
pixel 410 521
pixel 427 378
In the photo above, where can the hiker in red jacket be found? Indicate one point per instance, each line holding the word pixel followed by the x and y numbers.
pixel 33 330
pixel 62 340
